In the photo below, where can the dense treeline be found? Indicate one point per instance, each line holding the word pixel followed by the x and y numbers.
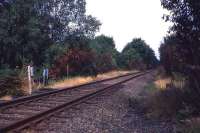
pixel 137 54
pixel 100 55
pixel 106 53
pixel 180 51
pixel 59 35
pixel 29 28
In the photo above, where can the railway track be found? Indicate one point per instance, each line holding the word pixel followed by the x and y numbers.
pixel 21 113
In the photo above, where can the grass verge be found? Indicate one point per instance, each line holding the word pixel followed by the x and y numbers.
pixel 74 81
pixel 166 99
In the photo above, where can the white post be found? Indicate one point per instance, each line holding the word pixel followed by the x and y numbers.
pixel 67 71
pixel 43 76
pixel 29 80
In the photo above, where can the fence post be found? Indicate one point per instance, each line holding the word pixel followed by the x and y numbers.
pixel 29 80
pixel 67 71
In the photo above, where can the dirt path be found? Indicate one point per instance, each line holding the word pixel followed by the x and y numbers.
pixel 107 114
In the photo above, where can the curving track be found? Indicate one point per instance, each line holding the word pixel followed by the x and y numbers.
pixel 20 113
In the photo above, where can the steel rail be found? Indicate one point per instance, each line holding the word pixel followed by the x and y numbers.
pixel 38 96
pixel 38 117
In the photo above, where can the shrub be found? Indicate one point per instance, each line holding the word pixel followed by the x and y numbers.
pixel 10 85
pixel 105 63
pixel 75 62
pixel 165 103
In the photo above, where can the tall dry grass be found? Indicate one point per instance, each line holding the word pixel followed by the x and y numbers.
pixel 82 80
pixel 167 97
pixel 165 103
pixel 70 82
pixel 163 83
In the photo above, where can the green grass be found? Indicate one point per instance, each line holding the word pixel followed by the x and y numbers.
pixel 151 87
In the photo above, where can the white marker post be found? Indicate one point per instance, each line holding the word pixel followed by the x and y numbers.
pixel 67 71
pixel 29 80
pixel 43 75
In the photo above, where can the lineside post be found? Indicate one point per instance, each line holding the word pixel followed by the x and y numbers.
pixel 29 80
pixel 67 71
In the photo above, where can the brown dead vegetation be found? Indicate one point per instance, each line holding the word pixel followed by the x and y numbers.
pixel 82 80
pixel 168 98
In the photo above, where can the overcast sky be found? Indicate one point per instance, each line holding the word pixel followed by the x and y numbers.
pixel 126 19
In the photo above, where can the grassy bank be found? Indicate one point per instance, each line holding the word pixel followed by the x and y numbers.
pixel 167 98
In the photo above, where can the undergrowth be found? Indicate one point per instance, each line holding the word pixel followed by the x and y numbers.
pixel 168 98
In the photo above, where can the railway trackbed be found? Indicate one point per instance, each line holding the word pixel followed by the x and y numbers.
pixel 22 113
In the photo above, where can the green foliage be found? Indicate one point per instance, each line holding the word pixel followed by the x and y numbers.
pixel 137 54
pixel 184 42
pixel 186 18
pixel 170 59
pixel 29 28
pixel 106 53
pixel 86 57
pixel 53 53
pixel 151 88
pixel 10 83
pixel 103 44
pixel 180 51
pixel 6 71
pixel 41 32
pixel 74 62
pixel 23 35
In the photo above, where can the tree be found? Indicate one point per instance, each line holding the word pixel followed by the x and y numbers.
pixel 29 27
pixel 71 17
pixel 103 44
pixel 53 53
pixel 106 52
pixel 185 16
pixel 138 52
pixel 23 35
pixel 75 62
pixel 132 59
pixel 170 58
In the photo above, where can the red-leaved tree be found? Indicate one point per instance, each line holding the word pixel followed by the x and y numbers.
pixel 76 62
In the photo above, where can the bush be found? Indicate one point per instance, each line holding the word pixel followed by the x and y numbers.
pixel 105 63
pixel 76 62
pixel 5 72
pixel 166 103
pixel 10 85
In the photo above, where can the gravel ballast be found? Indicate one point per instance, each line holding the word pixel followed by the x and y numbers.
pixel 108 113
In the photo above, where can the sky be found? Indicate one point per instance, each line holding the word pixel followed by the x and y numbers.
pixel 127 19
